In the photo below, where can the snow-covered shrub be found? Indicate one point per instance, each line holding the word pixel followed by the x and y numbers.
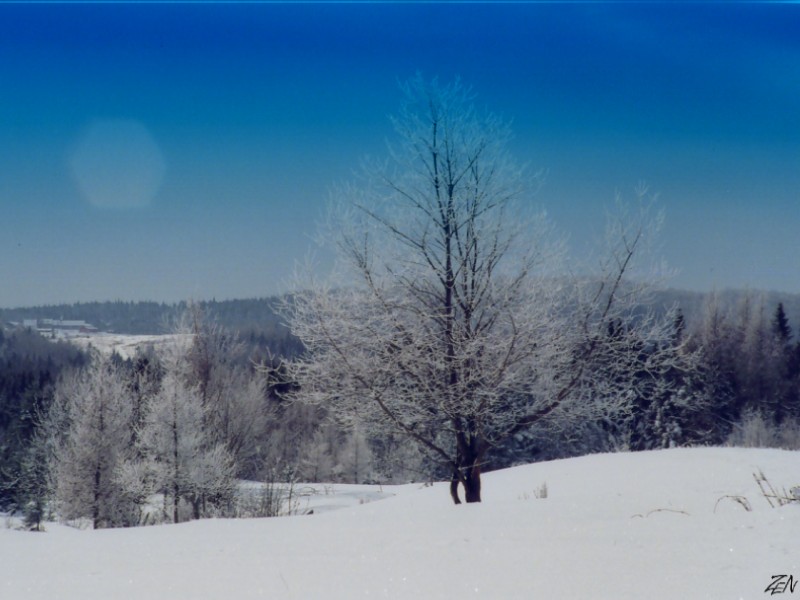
pixel 759 431
pixel 275 497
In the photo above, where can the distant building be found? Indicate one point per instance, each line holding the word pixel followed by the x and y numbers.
pixel 60 327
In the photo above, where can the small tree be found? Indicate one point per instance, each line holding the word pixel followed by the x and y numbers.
pixel 182 461
pixel 452 321
pixel 93 412
pixel 356 457
pixel 231 392
pixel 780 325
pixel 34 489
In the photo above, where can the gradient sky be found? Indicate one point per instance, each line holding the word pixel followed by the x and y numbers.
pixel 168 151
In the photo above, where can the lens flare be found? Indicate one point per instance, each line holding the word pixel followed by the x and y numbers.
pixel 117 164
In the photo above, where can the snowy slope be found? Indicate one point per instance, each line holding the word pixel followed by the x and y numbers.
pixel 645 525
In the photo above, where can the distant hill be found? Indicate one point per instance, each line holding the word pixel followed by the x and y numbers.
pixel 255 320
pixel 257 317
pixel 150 318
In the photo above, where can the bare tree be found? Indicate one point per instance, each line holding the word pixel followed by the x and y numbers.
pixel 451 319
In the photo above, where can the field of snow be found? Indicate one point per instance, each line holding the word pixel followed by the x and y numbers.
pixel 123 344
pixel 620 526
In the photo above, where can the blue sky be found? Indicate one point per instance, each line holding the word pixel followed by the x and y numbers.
pixel 225 125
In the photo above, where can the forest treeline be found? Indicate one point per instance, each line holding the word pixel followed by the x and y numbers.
pixel 259 316
pixel 226 393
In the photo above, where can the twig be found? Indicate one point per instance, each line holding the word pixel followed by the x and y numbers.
pixel 655 510
pixel 741 500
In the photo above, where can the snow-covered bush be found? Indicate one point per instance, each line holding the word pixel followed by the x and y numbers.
pixel 757 430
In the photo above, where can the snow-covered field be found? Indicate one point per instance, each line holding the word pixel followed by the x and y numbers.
pixel 123 344
pixel 644 526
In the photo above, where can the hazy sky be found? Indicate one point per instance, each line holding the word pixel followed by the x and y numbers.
pixel 168 151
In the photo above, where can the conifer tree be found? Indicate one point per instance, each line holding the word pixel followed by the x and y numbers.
pixel 94 408
pixel 780 325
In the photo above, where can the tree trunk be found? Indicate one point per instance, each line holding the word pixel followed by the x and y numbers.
pixel 470 477
pixel 196 508
pixel 454 488
pixel 175 458
pixel 96 494
pixel 472 484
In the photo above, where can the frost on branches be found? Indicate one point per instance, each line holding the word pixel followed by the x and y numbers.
pixel 118 439
pixel 91 420
pixel 452 316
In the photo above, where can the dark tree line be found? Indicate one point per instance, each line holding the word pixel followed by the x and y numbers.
pixel 750 365
pixel 743 389
pixel 29 369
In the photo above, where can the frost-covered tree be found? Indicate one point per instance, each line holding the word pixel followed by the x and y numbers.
pixel 34 483
pixel 144 379
pixel 356 457
pixel 242 420
pixel 182 461
pixel 747 365
pixel 231 392
pixel 785 355
pixel 316 460
pixel 92 417
pixel 451 319
pixel 660 375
